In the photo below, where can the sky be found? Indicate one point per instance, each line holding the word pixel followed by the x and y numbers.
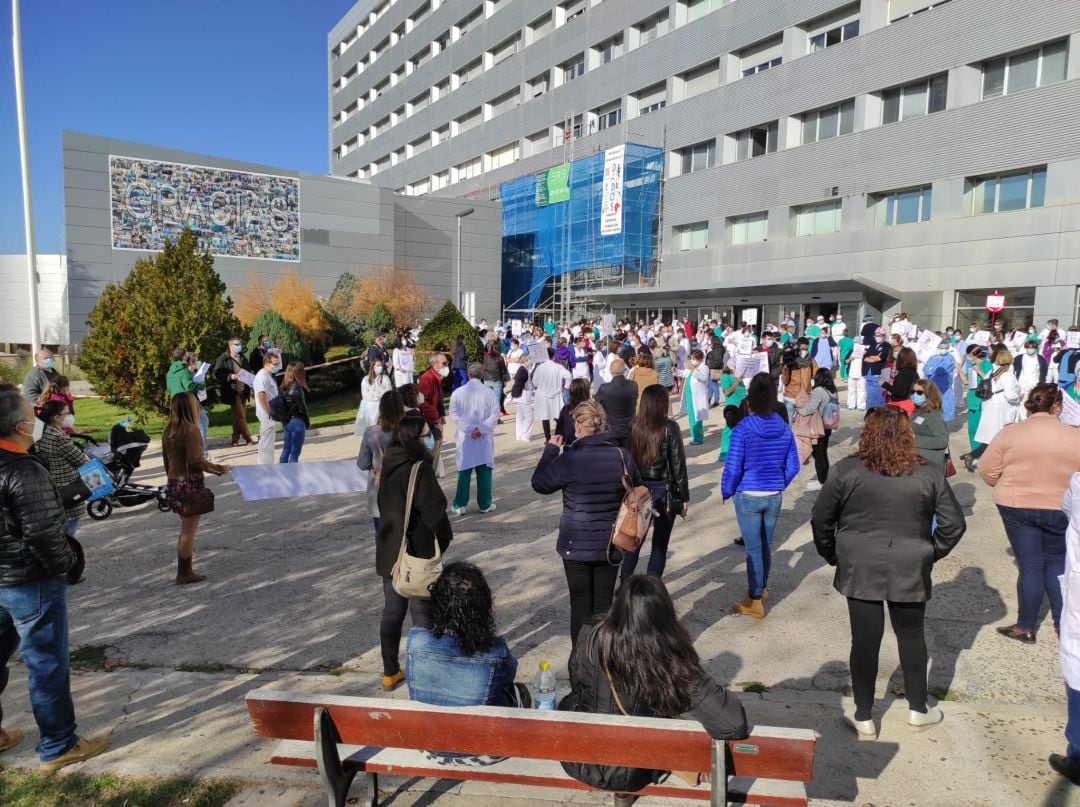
pixel 244 79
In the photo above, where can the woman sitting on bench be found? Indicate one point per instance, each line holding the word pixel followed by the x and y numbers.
pixel 461 660
pixel 639 660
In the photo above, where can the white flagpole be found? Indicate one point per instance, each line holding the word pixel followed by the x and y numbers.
pixel 24 158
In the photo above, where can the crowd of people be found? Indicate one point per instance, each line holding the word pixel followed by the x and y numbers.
pixel 604 394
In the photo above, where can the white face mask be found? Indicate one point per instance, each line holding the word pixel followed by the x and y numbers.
pixel 69 421
pixel 419 398
pixel 39 429
pixel 378 369
pixel 444 371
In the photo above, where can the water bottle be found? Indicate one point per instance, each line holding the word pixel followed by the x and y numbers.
pixel 545 687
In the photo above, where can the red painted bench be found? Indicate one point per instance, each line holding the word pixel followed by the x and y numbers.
pixel 343 736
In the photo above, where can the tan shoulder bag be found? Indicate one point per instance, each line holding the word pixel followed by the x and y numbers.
pixel 412 575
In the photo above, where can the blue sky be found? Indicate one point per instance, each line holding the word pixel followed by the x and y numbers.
pixel 233 78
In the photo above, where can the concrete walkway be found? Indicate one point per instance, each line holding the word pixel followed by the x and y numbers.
pixel 292 597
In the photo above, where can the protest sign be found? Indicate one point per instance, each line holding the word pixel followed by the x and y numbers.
pixel 747 366
pixel 515 328
pixel 745 345
pixel 245 377
pixel 1070 411
pixel 200 374
pixel 406 361
pixel 763 362
pixel 1072 340
pixel 981 338
pixel 538 353
pixel 926 344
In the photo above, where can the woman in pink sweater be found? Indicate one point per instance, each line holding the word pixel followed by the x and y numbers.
pixel 1029 466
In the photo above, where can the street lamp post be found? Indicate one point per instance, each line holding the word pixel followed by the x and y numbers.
pixel 457 274
pixel 24 158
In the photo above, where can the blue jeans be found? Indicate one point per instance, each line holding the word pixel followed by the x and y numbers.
pixel 757 520
pixel 1037 538
pixel 496 388
pixel 34 619
pixel 714 391
pixel 204 426
pixel 1072 727
pixel 73 526
pixel 294 433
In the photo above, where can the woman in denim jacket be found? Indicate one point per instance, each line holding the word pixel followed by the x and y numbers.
pixel 461 660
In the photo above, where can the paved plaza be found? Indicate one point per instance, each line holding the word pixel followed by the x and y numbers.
pixel 293 601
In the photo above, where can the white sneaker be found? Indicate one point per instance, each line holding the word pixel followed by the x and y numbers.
pixel 864 728
pixel 457 511
pixel 813 484
pixel 918 721
pixel 489 510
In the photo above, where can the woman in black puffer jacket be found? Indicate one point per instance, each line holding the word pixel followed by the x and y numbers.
pixel 590 475
pixel 639 660
pixel 657 447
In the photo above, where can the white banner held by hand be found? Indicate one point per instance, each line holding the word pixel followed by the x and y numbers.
pixel 283 481
pixel 1070 410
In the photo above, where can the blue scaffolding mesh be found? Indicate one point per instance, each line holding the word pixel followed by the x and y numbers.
pixel 541 242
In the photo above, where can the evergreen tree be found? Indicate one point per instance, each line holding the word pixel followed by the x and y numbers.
pixel 282 334
pixel 170 300
pixel 442 331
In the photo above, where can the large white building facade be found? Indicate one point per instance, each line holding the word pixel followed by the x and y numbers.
pixel 819 155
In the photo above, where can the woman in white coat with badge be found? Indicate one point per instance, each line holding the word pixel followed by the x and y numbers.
pixel 403 359
pixel 375 384
pixel 696 396
pixel 1068 764
pixel 1000 409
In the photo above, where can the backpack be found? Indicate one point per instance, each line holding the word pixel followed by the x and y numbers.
pixel 634 518
pixel 830 414
pixel 278 410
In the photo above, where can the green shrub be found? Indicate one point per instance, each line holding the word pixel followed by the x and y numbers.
pixel 380 321
pixel 340 378
pixel 282 335
pixel 169 300
pixel 441 334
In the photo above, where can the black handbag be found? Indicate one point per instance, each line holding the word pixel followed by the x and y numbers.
pixel 74 493
pixel 984 390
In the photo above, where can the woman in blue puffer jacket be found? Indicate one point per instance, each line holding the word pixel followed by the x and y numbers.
pixel 762 460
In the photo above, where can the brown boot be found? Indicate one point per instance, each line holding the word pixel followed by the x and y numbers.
pixel 750 607
pixel 185 574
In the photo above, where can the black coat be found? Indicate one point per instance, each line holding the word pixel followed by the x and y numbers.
pixel 900 386
pixel 721 714
pixel 589 473
pixel 669 464
pixel 876 530
pixel 255 363
pixel 619 398
pixel 33 524
pixel 223 368
pixel 428 521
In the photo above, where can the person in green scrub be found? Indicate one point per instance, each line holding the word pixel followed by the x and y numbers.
pixel 1073 390
pixel 785 335
pixel 846 344
pixel 734 393
pixel 977 368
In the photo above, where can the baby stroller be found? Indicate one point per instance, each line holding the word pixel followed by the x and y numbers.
pixel 126 447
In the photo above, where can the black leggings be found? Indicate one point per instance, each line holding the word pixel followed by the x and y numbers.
pixel 867 627
pixel 592 588
pixel 547 428
pixel 979 450
pixel 821 456
pixel 393 618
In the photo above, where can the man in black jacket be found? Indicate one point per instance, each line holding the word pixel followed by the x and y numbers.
pixel 619 399
pixel 34 561
pixel 714 360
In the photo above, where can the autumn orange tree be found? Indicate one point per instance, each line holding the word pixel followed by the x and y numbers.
pixel 396 289
pixel 292 298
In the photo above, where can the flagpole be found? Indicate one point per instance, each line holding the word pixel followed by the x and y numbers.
pixel 24 159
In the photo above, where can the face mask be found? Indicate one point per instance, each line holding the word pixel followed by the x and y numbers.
pixel 238 348
pixel 429 442
pixel 69 421
pixel 419 398
pixel 879 339
pixel 768 343
pixel 39 429
pixel 379 370
pixel 954 338
pixel 444 371
pixel 266 344
pixel 942 351
pixel 803 352
pixel 49 362
pixel 918 398
pixel 1030 351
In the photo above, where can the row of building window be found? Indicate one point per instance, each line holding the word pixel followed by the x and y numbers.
pixel 821 34
pixel 1017 190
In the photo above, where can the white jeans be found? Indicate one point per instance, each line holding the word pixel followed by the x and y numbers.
pixel 856 395
pixel 267 430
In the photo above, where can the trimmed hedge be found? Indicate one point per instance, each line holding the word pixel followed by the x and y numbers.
pixel 441 334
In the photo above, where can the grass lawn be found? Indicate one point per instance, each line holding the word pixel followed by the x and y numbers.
pixel 22 788
pixel 96 417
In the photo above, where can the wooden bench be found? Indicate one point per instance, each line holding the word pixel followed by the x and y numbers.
pixel 343 736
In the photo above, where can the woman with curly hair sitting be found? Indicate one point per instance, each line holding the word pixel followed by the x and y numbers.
pixel 461 660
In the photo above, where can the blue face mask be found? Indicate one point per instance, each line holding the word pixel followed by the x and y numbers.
pixel 918 398
pixel 48 363
pixel 429 442
pixel 266 343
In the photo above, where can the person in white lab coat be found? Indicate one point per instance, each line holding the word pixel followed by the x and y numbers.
pixel 1000 410
pixel 1068 764
pixel 403 360
pixel 549 379
pixel 521 393
pixel 475 412
pixel 375 384
pixel 696 396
